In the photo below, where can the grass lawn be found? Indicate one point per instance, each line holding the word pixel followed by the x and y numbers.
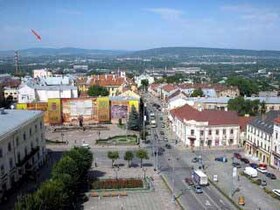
pixel 129 139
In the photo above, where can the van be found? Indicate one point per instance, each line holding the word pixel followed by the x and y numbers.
pixel 251 172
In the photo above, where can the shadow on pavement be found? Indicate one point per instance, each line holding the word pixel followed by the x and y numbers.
pixel 147 164
pixel 95 174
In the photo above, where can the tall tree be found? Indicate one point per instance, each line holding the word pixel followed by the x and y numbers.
pixel 242 106
pixel 133 120
pixel 128 156
pixel 246 87
pixel 145 84
pixel 142 154
pixel 113 155
pixel 96 90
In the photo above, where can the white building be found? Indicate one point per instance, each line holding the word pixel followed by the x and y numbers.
pixel 41 73
pixel 29 92
pixel 143 77
pixel 22 145
pixel 260 136
pixel 275 153
pixel 205 128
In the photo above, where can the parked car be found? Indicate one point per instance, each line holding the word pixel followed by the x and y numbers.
pixel 261 182
pixel 237 155
pixel 245 160
pixel 189 181
pixel 241 200
pixel 168 146
pixel 198 189
pixel 161 132
pixel 221 159
pixel 195 160
pixel 270 175
pixel 236 164
pixel 262 170
pixel 162 126
pixel 254 165
pixel 276 191
pixel 165 139
pixel 86 146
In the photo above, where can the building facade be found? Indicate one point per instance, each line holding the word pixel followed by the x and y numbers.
pixel 22 146
pixel 275 149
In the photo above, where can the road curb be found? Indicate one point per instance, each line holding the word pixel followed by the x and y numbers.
pixel 168 186
pixel 225 195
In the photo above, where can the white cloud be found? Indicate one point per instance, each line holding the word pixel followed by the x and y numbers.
pixel 166 13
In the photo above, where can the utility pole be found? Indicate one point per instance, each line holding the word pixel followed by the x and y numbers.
pixel 16 62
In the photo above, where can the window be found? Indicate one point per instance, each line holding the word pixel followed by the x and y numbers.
pixel 2 170
pixel 36 127
pixel 192 132
pixel 1 152
pixel 18 156
pixel 30 131
pixel 217 132
pixel 24 136
pixel 224 131
pixel 275 148
pixel 11 163
pixel 210 132
pixel 25 151
pixel 276 135
pixel 31 145
pixel 9 147
pixel 41 125
pixel 17 141
pixel 268 148
pixel 231 131
pixel 201 133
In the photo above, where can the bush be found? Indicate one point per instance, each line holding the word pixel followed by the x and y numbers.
pixel 118 184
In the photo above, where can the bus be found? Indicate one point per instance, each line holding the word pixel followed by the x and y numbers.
pixel 200 178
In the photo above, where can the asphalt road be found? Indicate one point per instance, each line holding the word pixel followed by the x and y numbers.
pixel 171 160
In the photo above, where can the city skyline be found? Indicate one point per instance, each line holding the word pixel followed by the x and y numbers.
pixel 135 25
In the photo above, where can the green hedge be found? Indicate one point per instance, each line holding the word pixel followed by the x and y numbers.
pixel 121 139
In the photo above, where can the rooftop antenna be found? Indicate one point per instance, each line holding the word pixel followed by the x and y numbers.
pixel 17 62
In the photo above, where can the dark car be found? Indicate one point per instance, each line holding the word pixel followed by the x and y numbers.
pixel 254 165
pixel 221 159
pixel 198 189
pixel 168 146
pixel 245 160
pixel 237 165
pixel 237 155
pixel 189 181
pixel 195 160
pixel 161 132
pixel 270 175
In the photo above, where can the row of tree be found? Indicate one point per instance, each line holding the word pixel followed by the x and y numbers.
pixel 60 191
pixel 128 156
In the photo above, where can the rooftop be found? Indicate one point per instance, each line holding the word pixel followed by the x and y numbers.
pixel 12 119
pixel 266 122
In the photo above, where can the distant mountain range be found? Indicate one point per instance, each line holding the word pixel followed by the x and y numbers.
pixel 164 52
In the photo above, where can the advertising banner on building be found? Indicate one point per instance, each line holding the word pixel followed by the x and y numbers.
pixel 54 111
pixel 72 109
pixel 103 109
pixel 118 111
pixel 21 106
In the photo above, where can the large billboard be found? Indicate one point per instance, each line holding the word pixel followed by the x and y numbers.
pixel 54 111
pixel 103 109
pixel 42 106
pixel 119 111
pixel 72 109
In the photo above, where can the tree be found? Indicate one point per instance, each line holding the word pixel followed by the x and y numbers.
pixel 242 106
pixel 96 90
pixel 142 154
pixel 133 120
pixel 197 93
pixel 113 155
pixel 128 156
pixel 246 87
pixel 145 84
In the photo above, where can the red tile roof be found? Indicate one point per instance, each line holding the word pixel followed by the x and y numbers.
pixel 154 86
pixel 213 117
pixel 108 80
pixel 169 87
pixel 217 87
pixel 243 121
pixel 277 120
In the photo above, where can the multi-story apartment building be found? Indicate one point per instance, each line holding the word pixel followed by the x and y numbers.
pixel 275 149
pixel 259 136
pixel 206 127
pixel 22 145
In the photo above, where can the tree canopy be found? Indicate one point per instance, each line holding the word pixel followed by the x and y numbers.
pixel 246 87
pixel 96 90
pixel 197 93
pixel 243 106
pixel 142 154
pixel 133 120
pixel 128 156
pixel 113 155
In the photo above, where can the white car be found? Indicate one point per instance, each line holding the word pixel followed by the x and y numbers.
pixel 276 191
pixel 262 170
pixel 86 146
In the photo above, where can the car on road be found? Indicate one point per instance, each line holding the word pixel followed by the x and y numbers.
pixel 270 175
pixel 254 165
pixel 165 139
pixel 221 159
pixel 168 146
pixel 276 191
pixel 236 164
pixel 262 170
pixel 86 146
pixel 161 132
pixel 245 160
pixel 237 155
pixel 195 160
pixel 189 181
pixel 241 200
pixel 198 189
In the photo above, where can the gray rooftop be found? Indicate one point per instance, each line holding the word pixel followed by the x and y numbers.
pixel 12 119
pixel 265 123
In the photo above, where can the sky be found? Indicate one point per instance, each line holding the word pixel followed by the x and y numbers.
pixel 140 24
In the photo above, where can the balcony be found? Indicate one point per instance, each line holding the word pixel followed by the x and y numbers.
pixel 28 157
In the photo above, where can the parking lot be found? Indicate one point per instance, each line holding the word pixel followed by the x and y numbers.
pixel 255 197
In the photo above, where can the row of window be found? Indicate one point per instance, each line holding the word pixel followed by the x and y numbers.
pixel 224 131
pixel 258 133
